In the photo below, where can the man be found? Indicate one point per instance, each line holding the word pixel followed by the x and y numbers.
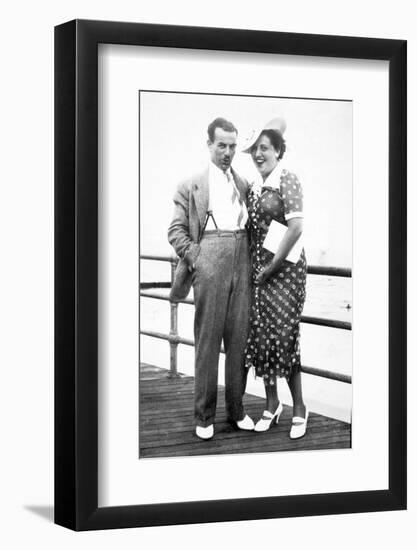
pixel 216 263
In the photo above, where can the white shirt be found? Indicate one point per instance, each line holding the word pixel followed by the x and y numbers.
pixel 225 212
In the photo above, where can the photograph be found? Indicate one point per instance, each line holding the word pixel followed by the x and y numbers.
pixel 245 237
pixel 214 340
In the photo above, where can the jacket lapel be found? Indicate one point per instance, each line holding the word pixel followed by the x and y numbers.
pixel 242 188
pixel 201 196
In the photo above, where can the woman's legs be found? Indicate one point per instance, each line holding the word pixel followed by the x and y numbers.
pixel 272 400
pixel 294 383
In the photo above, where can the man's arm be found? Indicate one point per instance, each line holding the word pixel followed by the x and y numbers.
pixel 179 229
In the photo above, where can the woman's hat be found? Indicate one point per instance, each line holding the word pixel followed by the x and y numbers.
pixel 278 124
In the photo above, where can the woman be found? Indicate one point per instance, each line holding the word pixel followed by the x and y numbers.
pixel 278 292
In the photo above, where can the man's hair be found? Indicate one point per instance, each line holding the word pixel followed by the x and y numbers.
pixel 222 123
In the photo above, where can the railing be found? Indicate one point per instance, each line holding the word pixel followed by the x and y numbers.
pixel 174 338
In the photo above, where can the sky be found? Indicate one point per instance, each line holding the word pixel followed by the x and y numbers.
pixel 173 145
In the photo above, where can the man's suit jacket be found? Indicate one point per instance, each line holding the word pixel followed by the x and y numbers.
pixel 191 201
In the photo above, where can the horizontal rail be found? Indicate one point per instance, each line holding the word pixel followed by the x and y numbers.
pixel 330 375
pixel 159 258
pixel 173 339
pixel 159 284
pixel 150 294
pixel 333 323
pixel 322 321
pixel 338 377
pixel 330 271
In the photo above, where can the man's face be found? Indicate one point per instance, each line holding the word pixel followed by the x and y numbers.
pixel 223 148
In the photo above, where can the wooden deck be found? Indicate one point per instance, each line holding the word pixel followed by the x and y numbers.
pixel 167 423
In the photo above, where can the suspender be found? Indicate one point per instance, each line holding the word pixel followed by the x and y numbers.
pixel 208 215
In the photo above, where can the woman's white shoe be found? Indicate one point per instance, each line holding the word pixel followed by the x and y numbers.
pixel 267 419
pixel 299 426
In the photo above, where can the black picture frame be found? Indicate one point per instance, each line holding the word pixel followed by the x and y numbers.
pixel 76 272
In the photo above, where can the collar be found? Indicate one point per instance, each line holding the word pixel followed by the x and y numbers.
pixel 272 181
pixel 215 172
pixel 274 178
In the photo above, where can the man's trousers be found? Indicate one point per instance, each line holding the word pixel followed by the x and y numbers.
pixel 221 281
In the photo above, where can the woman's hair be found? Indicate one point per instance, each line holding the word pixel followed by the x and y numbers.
pixel 277 141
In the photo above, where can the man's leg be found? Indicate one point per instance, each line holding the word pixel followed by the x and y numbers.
pixel 211 282
pixel 236 331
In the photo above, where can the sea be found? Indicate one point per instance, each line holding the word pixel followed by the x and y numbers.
pixel 321 347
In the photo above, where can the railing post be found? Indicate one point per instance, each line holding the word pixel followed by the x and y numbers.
pixel 173 344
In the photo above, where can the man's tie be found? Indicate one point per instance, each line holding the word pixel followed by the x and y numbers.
pixel 235 197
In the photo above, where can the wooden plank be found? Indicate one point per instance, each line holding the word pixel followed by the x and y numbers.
pixel 315 422
pixel 156 424
pixel 152 439
pixel 203 448
pixel 198 452
pixel 178 415
pixel 276 433
pixel 167 423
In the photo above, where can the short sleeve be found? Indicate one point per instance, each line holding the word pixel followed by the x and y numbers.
pixel 292 195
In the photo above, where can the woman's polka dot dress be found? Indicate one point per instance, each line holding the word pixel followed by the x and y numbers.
pixel 273 346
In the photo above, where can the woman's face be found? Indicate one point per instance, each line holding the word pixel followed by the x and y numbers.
pixel 264 156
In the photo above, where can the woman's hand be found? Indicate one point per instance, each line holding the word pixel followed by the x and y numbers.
pixel 267 272
pixel 263 275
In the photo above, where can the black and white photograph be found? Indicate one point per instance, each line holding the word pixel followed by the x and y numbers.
pixel 245 274
pixel 209 257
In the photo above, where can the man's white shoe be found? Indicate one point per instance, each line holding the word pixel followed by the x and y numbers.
pixel 204 433
pixel 246 423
